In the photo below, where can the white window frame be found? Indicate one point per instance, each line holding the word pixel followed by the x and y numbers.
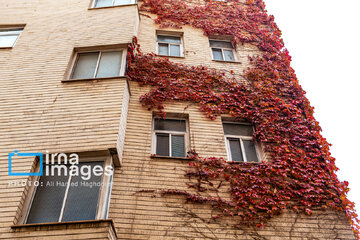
pixel 241 138
pixel 122 66
pixel 222 50
pixel 181 44
pixel 104 191
pixel 185 134
pixel 16 31
pixel 113 4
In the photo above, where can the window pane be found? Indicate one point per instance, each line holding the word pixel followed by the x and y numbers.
pixel 8 41
pixel 175 50
pixel 170 125
pixel 162 144
pixel 48 199
pixel 103 3
pixel 250 151
pixel 163 49
pixel 177 146
pixel 238 129
pixel 123 2
pixel 85 65
pixel 229 55
pixel 83 195
pixel 220 44
pixel 235 148
pixel 168 39
pixel 217 54
pixel 109 65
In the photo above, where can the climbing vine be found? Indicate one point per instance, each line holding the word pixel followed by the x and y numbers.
pixel 301 174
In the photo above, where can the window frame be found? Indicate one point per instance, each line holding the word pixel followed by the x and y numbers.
pixel 122 66
pixel 94 2
pixel 185 134
pixel 103 204
pixel 181 44
pixel 241 138
pixel 222 50
pixel 11 31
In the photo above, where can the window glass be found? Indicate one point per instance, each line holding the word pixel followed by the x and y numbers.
pixel 235 149
pixel 123 2
pixel 163 49
pixel 217 54
pixel 170 125
pixel 162 144
pixel 168 39
pixel 175 50
pixel 238 129
pixel 177 146
pixel 82 200
pixel 229 55
pixel 220 44
pixel 7 41
pixel 48 199
pixel 62 198
pixel 250 151
pixel 104 3
pixel 109 65
pixel 8 37
pixel 85 65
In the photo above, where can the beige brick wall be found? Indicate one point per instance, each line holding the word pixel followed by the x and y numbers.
pixel 38 112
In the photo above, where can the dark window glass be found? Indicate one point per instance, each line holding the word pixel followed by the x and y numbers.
pixel 170 125
pixel 220 44
pixel 162 144
pixel 238 129
pixel 82 200
pixel 168 39
pixel 177 146
pixel 235 149
pixel 250 151
pixel 48 199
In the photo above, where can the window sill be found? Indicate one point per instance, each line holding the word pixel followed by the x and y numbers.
pixel 93 79
pixel 168 157
pixel 5 48
pixel 166 56
pixel 221 61
pixel 243 163
pixel 124 5
pixel 107 223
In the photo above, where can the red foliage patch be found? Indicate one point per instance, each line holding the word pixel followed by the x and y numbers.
pixel 302 169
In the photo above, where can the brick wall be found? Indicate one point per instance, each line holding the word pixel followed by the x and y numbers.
pixel 39 112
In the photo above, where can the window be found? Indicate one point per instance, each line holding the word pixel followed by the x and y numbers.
pixel 239 142
pixel 109 3
pixel 8 36
pixel 169 46
pixel 99 64
pixel 63 197
pixel 222 50
pixel 170 137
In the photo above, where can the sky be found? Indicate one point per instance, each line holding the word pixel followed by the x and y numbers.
pixel 323 38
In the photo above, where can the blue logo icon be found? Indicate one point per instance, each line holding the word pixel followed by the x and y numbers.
pixel 16 153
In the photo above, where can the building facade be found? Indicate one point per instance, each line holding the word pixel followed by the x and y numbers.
pixel 64 89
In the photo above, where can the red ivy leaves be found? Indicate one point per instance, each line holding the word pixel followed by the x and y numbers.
pixel 302 169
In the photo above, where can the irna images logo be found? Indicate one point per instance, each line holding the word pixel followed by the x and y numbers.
pixel 62 164
pixel 18 154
